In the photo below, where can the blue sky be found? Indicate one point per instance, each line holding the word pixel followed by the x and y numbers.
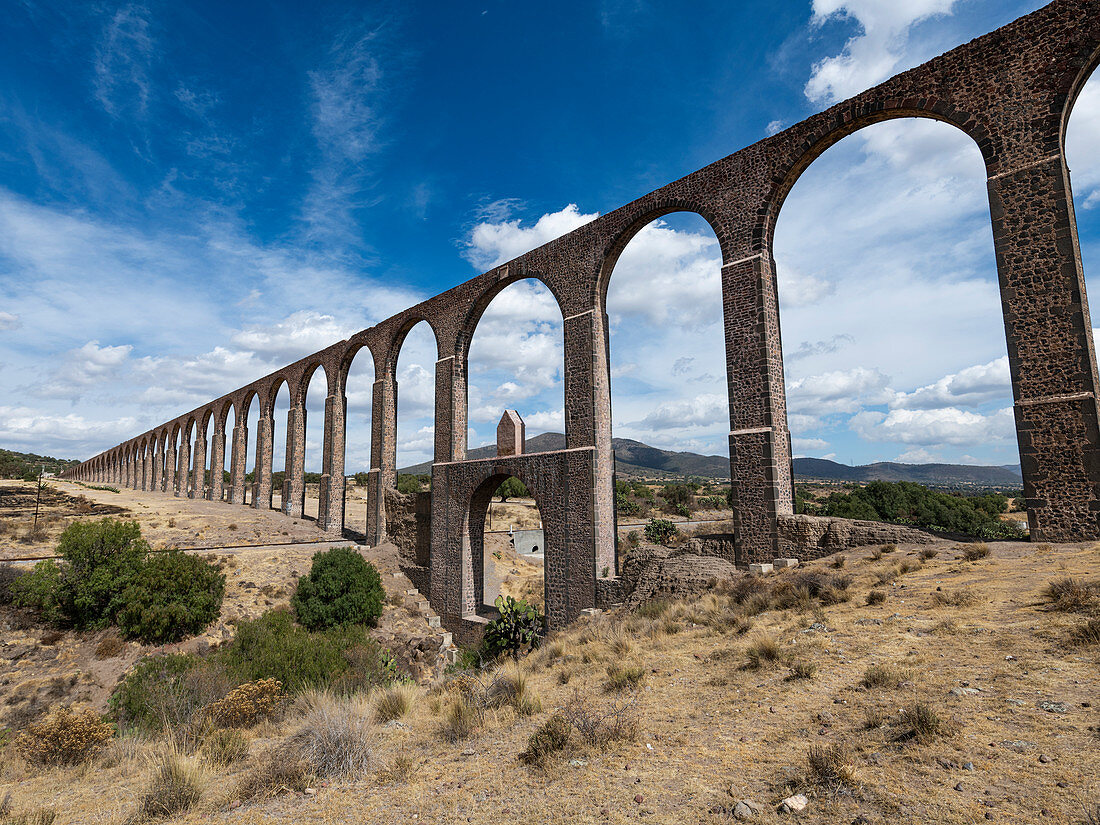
pixel 193 194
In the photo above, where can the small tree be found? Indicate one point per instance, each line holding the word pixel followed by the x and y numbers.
pixel 342 588
pixel 173 595
pixel 407 484
pixel 512 487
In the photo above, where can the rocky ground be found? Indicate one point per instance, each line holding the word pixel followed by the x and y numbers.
pixel 724 730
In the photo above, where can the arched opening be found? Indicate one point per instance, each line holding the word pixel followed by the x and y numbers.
pixel 507 543
pixel 516 362
pixel 175 460
pixel 893 342
pixel 359 392
pixel 207 429
pixel 414 399
pixel 1082 147
pixel 280 409
pixel 252 417
pixel 670 415
pixel 226 468
pixel 188 483
pixel 314 395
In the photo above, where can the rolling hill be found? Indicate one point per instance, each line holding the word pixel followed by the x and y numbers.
pixel 633 459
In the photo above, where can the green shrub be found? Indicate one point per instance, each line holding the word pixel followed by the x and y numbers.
pixel 660 531
pixel 341 589
pixel 272 646
pixel 512 487
pixel 40 590
pixel 516 630
pixel 86 590
pixel 627 506
pixel 167 691
pixel 408 484
pixel 171 596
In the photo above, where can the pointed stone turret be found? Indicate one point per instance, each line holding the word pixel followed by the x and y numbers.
pixel 511 434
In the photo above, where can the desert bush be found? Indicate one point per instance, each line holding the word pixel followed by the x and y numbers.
pixel 876 554
pixel 394 701
pixel 714 503
pixel 39 816
pixel 335 739
pixel 838 562
pixel 50 637
pixel 660 531
pixel 955 598
pixel 9 573
pixel 176 786
pixel 273 646
pixel 1071 595
pixel 550 739
pixel 109 646
pixel 623 677
pixel 886 576
pixel 515 631
pixel 831 765
pixel 170 596
pixel 764 650
pixel 100 559
pixel 878 676
pixel 803 669
pixel 655 609
pixel 876 597
pixel 1086 634
pixel 888 548
pixel 599 726
pixel 463 717
pixel 247 704
pixel 632 538
pixel 511 688
pixel 928 553
pixel 974 551
pixel 224 746
pixel 40 590
pixel 276 770
pixel 342 588
pixel 64 737
pixel 167 691
pixel 922 723
pixel 796 588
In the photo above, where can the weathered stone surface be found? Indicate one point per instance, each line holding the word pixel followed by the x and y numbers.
pixel 1010 91
pixel 810 537
pixel 651 571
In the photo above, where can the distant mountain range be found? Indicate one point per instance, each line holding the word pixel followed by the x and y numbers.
pixel 633 459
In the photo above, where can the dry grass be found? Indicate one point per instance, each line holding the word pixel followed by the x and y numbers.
pixel 956 598
pixel 974 551
pixel 927 554
pixel 763 652
pixel 335 737
pixel 803 669
pixel 831 766
pixel 922 723
pixel 395 701
pixel 177 786
pixel 876 597
pixel 623 677
pixel 275 771
pixel 1086 634
pixel 223 747
pixel 693 686
pixel 880 676
pixel 111 645
pixel 1072 595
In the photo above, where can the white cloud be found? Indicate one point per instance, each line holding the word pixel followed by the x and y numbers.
pixel 494 242
pixel 72 436
pixel 702 411
pixel 876 52
pixel 548 421
pixel 88 366
pixel 802 445
pixel 296 336
pixel 919 455
pixel 9 320
pixel 122 60
pixel 970 387
pixel 840 391
pixel 931 428
pixel 1082 140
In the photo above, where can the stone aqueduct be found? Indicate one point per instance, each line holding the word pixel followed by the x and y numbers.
pixel 1011 91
